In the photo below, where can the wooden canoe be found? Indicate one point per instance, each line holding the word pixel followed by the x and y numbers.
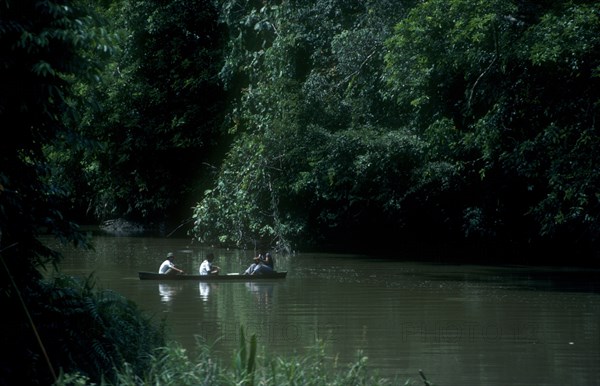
pixel 222 277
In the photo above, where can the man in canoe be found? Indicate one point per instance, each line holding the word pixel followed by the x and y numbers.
pixel 168 266
pixel 207 267
pixel 262 264
pixel 266 265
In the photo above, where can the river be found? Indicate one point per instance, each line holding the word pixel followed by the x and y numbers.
pixel 460 324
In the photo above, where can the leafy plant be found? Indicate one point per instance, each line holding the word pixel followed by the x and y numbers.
pixel 245 360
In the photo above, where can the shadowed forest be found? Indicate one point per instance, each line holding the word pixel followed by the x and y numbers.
pixel 345 125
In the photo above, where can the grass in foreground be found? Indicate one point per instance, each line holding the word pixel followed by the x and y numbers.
pixel 171 365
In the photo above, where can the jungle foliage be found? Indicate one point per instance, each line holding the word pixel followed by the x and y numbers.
pixel 319 154
pixel 507 93
pixel 157 112
pixel 49 48
pixel 173 365
pixel 346 124
pixel 314 123
pixel 83 329
pixel 361 122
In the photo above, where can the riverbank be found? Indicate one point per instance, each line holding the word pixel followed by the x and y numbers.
pixel 173 365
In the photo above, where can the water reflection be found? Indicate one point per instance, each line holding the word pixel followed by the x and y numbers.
pixel 204 289
pixel 167 291
pixel 262 292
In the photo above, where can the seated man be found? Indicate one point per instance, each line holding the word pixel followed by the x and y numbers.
pixel 252 267
pixel 263 264
pixel 207 267
pixel 168 267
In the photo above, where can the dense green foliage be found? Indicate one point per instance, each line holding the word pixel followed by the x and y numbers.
pixel 343 124
pixel 358 123
pixel 172 365
pixel 45 47
pixel 84 330
pixel 318 156
pixel 507 93
pixel 48 47
pixel 158 111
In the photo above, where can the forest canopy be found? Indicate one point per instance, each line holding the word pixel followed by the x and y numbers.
pixel 349 125
pixel 369 124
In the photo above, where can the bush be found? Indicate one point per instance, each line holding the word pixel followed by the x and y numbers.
pixel 82 331
pixel 171 365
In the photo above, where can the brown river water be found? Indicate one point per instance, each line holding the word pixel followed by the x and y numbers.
pixel 460 324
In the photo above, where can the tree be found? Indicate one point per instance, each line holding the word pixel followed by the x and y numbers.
pixel 307 115
pixel 46 46
pixel 159 112
pixel 507 92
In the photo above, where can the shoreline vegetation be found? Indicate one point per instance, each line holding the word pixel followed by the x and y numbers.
pixel 173 365
pixel 122 345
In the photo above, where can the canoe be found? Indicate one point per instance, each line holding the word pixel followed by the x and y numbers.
pixel 227 277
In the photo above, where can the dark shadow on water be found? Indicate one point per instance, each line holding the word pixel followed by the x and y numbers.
pixel 522 278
